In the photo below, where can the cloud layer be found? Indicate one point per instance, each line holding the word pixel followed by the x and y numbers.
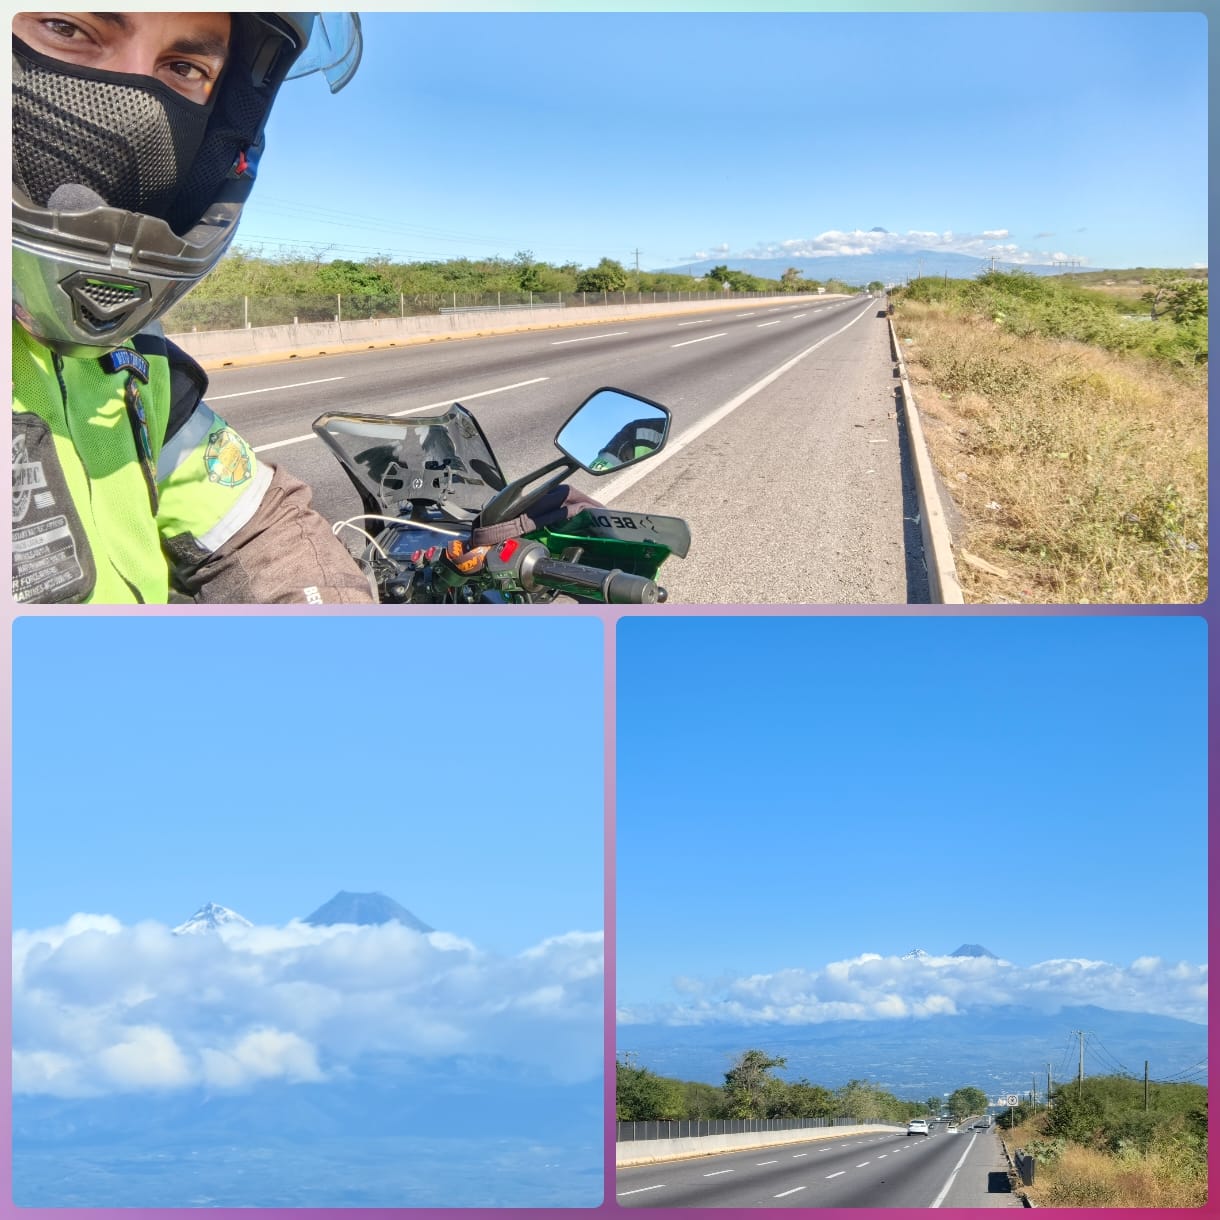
pixel 988 243
pixel 101 1008
pixel 875 988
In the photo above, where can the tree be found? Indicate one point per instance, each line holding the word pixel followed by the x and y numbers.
pixel 1181 298
pixel 640 1095
pixel 790 281
pixel 527 273
pixel 967 1100
pixel 875 286
pixel 747 1084
pixel 607 276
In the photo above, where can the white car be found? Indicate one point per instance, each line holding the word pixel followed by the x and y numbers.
pixel 918 1126
pixel 951 1129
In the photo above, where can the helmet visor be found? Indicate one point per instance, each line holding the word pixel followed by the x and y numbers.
pixel 333 48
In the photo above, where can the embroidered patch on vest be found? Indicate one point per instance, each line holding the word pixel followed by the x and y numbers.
pixel 52 560
pixel 124 358
pixel 227 458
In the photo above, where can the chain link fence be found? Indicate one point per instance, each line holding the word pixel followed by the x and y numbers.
pixel 661 1129
pixel 198 313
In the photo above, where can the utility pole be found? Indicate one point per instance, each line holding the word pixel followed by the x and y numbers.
pixel 1033 1092
pixel 1080 1074
pixel 637 270
pixel 1048 1086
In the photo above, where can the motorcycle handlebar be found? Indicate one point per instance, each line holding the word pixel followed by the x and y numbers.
pixel 614 585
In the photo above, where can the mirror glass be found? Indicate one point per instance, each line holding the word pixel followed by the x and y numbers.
pixel 612 429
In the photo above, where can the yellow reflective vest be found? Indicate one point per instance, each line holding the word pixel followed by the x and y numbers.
pixel 121 474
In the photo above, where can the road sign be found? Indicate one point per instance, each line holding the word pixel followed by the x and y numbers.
pixel 1012 1099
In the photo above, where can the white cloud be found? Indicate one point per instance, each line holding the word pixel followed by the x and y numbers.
pixel 876 988
pixel 838 242
pixel 99 1007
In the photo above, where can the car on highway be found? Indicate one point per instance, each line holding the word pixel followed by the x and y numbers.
pixel 951 1129
pixel 918 1126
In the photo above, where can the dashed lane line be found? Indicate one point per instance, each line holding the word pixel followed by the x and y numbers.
pixel 639 1190
pixel 704 339
pixel 432 406
pixel 784 1193
pixel 296 385
pixel 717 1173
pixel 614 334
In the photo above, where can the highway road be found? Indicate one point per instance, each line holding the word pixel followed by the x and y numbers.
pixel 786 452
pixel 889 1169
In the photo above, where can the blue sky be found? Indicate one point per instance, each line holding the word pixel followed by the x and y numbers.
pixel 266 763
pixel 691 135
pixel 795 792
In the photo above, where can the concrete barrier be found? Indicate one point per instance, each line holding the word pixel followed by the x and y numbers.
pixel 648 1152
pixel 228 348
pixel 933 525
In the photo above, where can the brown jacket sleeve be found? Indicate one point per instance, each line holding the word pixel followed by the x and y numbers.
pixel 285 553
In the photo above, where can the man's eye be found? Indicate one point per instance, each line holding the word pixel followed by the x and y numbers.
pixel 189 71
pixel 62 29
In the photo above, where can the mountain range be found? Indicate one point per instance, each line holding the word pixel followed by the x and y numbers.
pixel 344 908
pixel 995 1048
pixel 861 269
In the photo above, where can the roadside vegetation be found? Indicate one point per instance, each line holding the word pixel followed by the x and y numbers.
pixel 751 1089
pixel 1101 1148
pixel 258 289
pixel 1067 418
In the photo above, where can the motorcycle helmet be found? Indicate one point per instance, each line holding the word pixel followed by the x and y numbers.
pixel 125 195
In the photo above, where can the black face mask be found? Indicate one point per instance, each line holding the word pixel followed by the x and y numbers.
pixel 129 138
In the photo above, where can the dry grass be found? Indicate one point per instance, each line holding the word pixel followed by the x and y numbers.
pixel 1080 475
pixel 1081 1177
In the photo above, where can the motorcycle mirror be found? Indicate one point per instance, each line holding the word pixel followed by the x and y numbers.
pixel 612 429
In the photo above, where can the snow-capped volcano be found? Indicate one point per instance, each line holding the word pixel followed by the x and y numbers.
pixel 365 909
pixel 915 954
pixel 209 918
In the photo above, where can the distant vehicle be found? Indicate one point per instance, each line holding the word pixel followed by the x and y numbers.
pixel 951 1129
pixel 918 1126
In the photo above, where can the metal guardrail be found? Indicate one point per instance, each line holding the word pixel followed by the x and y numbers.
pixel 1025 1166
pixel 197 313
pixel 501 308
pixel 666 1129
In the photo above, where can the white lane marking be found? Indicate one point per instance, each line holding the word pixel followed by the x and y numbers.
pixel 766 1162
pixel 863 1163
pixel 796 1154
pixel 448 402
pixel 744 315
pixel 882 1155
pixel 784 1193
pixel 797 316
pixel 639 1190
pixel 614 334
pixel 432 406
pixel 688 342
pixel 296 385
pixel 940 1198
pixel 697 322
pixel 835 1175
pixel 717 1173
pixel 775 323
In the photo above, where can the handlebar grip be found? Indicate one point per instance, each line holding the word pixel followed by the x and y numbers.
pixel 614 585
